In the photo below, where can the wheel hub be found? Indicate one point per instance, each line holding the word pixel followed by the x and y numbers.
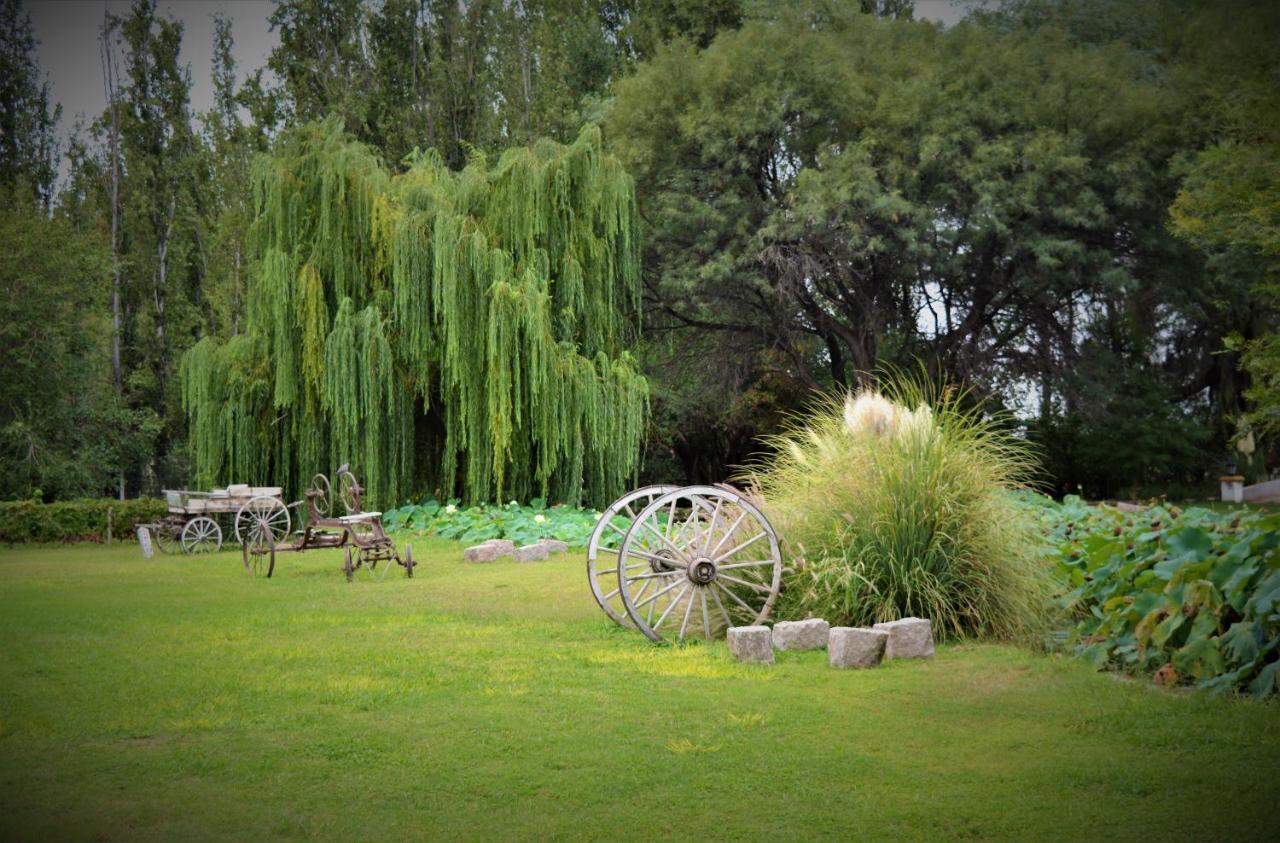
pixel 661 566
pixel 702 571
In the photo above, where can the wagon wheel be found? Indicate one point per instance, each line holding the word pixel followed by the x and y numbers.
pixel 167 536
pixel 697 561
pixel 201 535
pixel 349 490
pixel 258 549
pixel 263 511
pixel 606 538
pixel 348 565
pixel 408 561
pixel 324 500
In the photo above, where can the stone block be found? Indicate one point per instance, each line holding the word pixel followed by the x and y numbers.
pixel 481 553
pixel 554 545
pixel 855 646
pixel 751 644
pixel 531 553
pixel 505 547
pixel 808 634
pixel 909 638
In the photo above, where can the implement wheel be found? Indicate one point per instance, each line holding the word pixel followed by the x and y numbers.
pixel 258 549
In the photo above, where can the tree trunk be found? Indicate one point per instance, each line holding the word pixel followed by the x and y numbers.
pixel 109 79
pixel 235 294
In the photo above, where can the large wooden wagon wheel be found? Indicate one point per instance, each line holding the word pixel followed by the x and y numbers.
pixel 263 512
pixel 697 561
pixel 201 535
pixel 607 538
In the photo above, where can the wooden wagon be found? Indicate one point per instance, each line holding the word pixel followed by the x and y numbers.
pixel 197 520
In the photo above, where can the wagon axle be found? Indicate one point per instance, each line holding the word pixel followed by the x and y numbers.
pixel 702 571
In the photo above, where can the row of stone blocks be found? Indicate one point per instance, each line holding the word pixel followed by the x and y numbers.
pixel 495 549
pixel 847 646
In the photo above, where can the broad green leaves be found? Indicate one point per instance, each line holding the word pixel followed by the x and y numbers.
pixel 471 525
pixel 1195 590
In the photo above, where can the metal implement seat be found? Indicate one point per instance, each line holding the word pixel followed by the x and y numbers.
pixel 358 517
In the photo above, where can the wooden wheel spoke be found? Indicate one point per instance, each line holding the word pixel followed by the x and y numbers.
pixel 671 606
pixel 659 534
pixel 752 585
pixel 706 618
pixel 653 557
pixel 757 563
pixel 757 537
pixel 727 622
pixel 735 598
pixel 684 625
pixel 654 575
pixel 715 519
pixel 727 534
pixel 657 594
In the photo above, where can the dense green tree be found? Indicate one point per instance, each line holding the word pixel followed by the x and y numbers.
pixel 1229 204
pixel 840 192
pixel 644 26
pixel 463 76
pixel 63 433
pixel 322 60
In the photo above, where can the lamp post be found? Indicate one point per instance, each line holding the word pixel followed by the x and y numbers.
pixel 1232 483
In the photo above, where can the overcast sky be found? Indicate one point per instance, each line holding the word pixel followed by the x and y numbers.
pixel 69 54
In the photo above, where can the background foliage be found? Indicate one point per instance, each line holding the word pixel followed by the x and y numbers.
pixel 1067 207
pixel 1192 595
pixel 76 520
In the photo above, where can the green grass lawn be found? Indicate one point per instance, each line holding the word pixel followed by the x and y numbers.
pixel 177 698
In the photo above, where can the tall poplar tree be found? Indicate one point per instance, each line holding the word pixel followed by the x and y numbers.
pixel 28 120
pixel 150 190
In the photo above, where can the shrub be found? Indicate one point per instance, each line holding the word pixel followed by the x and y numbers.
pixel 80 520
pixel 899 504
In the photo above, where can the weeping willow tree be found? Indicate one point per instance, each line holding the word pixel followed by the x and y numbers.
pixel 463 333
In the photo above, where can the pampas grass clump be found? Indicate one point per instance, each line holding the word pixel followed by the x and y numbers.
pixel 896 504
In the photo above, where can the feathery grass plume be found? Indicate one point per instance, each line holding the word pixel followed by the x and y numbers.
pixel 496 303
pixel 896 503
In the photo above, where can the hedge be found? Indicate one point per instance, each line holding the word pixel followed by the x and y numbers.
pixel 81 520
